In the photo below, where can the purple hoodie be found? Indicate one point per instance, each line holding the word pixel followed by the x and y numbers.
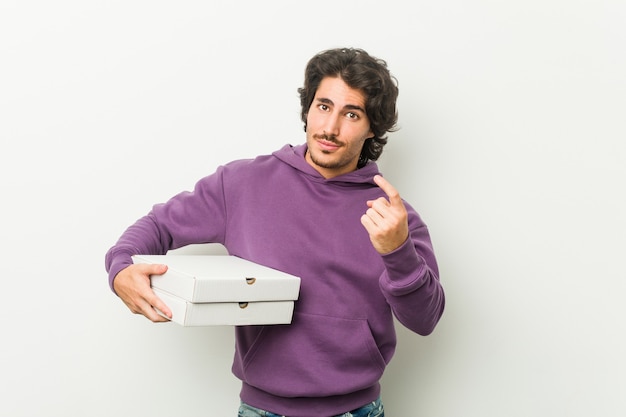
pixel 278 211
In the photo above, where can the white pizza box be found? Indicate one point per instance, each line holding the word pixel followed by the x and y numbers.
pixel 189 314
pixel 221 278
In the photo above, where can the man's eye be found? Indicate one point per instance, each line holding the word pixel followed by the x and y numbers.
pixel 351 115
pixel 323 107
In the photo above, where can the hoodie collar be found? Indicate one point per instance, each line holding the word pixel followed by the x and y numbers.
pixel 294 156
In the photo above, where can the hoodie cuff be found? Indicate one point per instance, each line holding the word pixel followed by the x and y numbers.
pixel 115 261
pixel 405 268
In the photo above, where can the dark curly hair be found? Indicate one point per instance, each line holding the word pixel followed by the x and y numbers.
pixel 363 72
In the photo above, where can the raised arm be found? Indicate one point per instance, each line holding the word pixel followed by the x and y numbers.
pixel 410 281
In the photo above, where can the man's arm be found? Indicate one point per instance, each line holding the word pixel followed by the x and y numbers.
pixel 410 282
pixel 186 218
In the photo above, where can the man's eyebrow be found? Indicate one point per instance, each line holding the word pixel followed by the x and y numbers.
pixel 354 107
pixel 325 100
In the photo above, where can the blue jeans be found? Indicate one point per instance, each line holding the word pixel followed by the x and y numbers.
pixel 373 409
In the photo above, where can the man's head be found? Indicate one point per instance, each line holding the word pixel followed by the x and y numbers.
pixel 364 73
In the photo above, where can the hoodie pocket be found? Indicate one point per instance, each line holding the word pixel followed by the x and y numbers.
pixel 314 356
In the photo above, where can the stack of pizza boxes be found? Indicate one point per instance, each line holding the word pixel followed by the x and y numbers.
pixel 206 290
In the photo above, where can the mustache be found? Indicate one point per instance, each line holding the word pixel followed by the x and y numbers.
pixel 327 137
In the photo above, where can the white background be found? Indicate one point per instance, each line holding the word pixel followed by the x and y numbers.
pixel 512 147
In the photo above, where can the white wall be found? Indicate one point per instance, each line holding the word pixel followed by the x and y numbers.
pixel 512 147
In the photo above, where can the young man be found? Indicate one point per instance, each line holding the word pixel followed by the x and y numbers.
pixel 320 211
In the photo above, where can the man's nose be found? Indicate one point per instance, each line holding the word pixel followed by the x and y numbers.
pixel 331 127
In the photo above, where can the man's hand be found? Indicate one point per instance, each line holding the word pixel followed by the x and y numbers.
pixel 385 220
pixel 132 285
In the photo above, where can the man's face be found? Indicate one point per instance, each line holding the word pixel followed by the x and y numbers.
pixel 337 127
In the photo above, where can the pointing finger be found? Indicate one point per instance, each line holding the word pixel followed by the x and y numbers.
pixel 390 190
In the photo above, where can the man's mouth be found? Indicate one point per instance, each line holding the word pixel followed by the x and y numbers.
pixel 327 146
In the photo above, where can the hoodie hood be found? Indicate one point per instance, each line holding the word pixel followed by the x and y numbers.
pixel 294 157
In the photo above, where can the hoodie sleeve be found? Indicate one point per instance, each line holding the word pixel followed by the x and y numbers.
pixel 197 216
pixel 410 281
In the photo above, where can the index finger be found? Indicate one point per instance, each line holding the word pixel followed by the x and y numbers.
pixel 390 190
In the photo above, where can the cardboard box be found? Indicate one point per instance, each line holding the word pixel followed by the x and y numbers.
pixel 221 278
pixel 207 290
pixel 187 313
